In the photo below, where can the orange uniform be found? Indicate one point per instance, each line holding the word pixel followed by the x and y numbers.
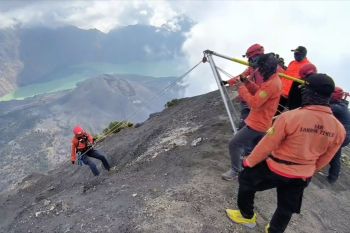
pixel 80 144
pixel 263 102
pixel 305 138
pixel 292 70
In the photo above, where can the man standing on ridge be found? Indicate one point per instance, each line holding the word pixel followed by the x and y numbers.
pixel 340 109
pixel 292 70
pixel 263 102
pixel 82 143
pixel 294 97
pixel 300 143
pixel 253 54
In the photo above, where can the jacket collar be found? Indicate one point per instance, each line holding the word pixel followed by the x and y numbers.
pixel 319 108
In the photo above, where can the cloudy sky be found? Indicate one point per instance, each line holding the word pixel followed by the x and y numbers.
pixel 228 27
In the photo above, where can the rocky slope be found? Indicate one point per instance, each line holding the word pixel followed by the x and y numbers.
pixel 166 179
pixel 35 133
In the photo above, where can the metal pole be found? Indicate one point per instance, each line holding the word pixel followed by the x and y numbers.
pixel 247 64
pixel 223 96
pixel 231 58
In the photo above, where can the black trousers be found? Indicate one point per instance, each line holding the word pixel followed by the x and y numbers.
pixel 334 166
pixel 94 154
pixel 289 194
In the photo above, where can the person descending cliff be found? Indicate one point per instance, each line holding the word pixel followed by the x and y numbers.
pixel 82 145
pixel 299 144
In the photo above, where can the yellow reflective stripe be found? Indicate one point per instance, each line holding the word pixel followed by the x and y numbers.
pixel 270 131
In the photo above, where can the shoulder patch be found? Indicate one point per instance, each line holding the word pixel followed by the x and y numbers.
pixel 262 94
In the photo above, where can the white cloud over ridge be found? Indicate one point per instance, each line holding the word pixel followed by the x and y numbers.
pixel 227 27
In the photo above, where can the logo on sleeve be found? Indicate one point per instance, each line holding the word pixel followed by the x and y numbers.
pixel 263 94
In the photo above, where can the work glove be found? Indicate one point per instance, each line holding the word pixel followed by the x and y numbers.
pixel 243 79
pixel 73 162
pixel 223 83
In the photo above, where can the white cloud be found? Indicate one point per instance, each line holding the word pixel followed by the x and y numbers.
pixel 103 14
pixel 228 27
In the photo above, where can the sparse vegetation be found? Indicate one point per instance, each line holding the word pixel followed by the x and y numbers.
pixel 113 128
pixel 116 126
pixel 172 103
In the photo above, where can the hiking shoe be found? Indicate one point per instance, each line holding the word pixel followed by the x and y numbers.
pixel 267 228
pixel 229 175
pixel 236 216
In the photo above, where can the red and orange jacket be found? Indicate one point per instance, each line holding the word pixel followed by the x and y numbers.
pixel 80 145
pixel 292 70
pixel 308 137
pixel 263 102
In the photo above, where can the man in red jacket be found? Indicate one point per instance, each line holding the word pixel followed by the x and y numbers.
pixel 294 97
pixel 82 143
pixel 300 143
pixel 263 101
pixel 292 70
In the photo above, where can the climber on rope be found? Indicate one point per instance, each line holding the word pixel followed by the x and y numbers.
pixel 300 143
pixel 263 101
pixel 82 144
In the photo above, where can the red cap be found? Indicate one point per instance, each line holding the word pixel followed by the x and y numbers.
pixel 338 94
pixel 307 70
pixel 254 50
pixel 78 130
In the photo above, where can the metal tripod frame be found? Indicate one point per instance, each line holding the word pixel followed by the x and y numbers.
pixel 224 94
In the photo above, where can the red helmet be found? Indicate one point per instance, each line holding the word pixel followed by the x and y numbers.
pixel 78 130
pixel 254 50
pixel 338 94
pixel 307 70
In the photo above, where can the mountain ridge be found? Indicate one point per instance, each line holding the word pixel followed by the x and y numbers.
pixel 35 55
pixel 166 177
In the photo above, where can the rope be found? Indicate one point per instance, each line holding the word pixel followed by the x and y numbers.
pixel 173 83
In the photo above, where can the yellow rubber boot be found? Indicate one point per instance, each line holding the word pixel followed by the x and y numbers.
pixel 236 216
pixel 267 227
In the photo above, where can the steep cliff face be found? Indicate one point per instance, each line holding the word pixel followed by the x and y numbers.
pixel 35 133
pixel 166 178
pixel 10 63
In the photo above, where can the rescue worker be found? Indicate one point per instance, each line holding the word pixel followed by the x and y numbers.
pixel 294 97
pixel 253 54
pixel 300 143
pixel 339 106
pixel 263 101
pixel 82 144
pixel 293 69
